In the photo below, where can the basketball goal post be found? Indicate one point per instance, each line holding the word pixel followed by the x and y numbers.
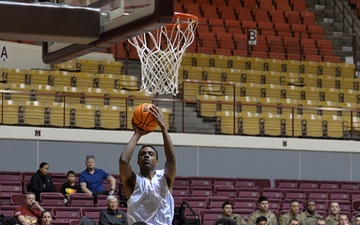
pixel 161 51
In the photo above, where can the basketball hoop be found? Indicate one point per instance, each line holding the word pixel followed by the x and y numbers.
pixel 161 53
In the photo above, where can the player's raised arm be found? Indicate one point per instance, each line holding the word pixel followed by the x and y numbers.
pixel 170 164
pixel 126 173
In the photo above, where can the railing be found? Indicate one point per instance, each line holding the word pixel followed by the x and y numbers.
pixel 349 118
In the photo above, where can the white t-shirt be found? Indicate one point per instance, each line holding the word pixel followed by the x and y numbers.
pixel 151 201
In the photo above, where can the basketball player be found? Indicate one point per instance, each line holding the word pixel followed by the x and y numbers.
pixel 149 192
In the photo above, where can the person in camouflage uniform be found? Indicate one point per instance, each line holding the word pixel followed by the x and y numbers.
pixel 263 203
pixel 343 220
pixel 293 213
pixel 309 216
pixel 261 220
pixel 333 217
pixel 227 213
pixel 356 219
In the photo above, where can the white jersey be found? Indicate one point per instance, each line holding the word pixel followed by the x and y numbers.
pixel 151 201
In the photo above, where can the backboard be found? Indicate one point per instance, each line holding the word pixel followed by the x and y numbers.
pixel 77 27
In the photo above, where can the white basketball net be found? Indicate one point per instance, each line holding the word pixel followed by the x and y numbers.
pixel 161 53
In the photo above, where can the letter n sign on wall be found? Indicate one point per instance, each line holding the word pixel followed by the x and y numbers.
pixel 252 37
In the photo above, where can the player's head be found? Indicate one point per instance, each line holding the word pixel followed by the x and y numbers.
pixel 147 157
pixel 263 203
pixel 227 208
pixel 261 220
pixel 70 175
pixel 44 168
pixel 311 206
pixel 90 162
pixel 112 202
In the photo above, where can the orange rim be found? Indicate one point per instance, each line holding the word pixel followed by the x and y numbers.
pixel 184 17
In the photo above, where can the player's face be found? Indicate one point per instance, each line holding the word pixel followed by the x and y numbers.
pixel 71 178
pixel 147 158
pixel 334 208
pixel 310 207
pixel 264 206
pixel 112 204
pixel 227 210
pixel 46 218
pixel 90 163
pixel 44 170
pixel 294 208
pixel 30 199
pixel 343 220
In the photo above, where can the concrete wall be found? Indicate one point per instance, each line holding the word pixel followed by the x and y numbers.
pixel 197 155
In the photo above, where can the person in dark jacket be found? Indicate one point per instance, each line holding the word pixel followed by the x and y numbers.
pixel 112 215
pixel 41 182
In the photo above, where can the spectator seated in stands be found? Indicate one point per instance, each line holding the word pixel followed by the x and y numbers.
pixel 227 214
pixel 112 215
pixel 41 182
pixel 343 220
pixel 30 212
pixel 45 218
pixel 224 221
pixel 310 215
pixel 293 213
pixel 91 179
pixel 261 220
pixel 356 219
pixel 263 211
pixel 70 186
pixel 333 217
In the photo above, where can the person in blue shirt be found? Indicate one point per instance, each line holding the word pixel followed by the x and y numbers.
pixel 91 179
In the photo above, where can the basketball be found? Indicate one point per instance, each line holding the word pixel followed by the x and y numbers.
pixel 143 119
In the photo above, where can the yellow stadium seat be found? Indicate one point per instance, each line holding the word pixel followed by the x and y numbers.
pixel 250 124
pixel 212 74
pixel 350 96
pixel 11 112
pixel 61 78
pixel 239 62
pixel 111 67
pixel 314 125
pixel 310 67
pixel 295 125
pixel 84 116
pixel 127 82
pixel 292 66
pixel 256 63
pixel 335 126
pixel 207 105
pixel 59 114
pixel 327 68
pixel 274 125
pixel 202 59
pixel 345 70
pixel 110 116
pixel 227 102
pixel 271 90
pixel 233 75
pixel 36 113
pixel 274 65
pixel 187 59
pixel 291 92
pixel 86 65
pixel 345 83
pixel 16 76
pixel 273 77
pixel 38 77
pixel 70 65
pixel 118 97
pixel 246 104
pixel 221 61
pixel 139 97
pixel 287 106
pixel 192 73
pixel 227 122
pixel 310 80
pixel 250 89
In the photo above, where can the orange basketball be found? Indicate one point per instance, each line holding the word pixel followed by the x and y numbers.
pixel 143 119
